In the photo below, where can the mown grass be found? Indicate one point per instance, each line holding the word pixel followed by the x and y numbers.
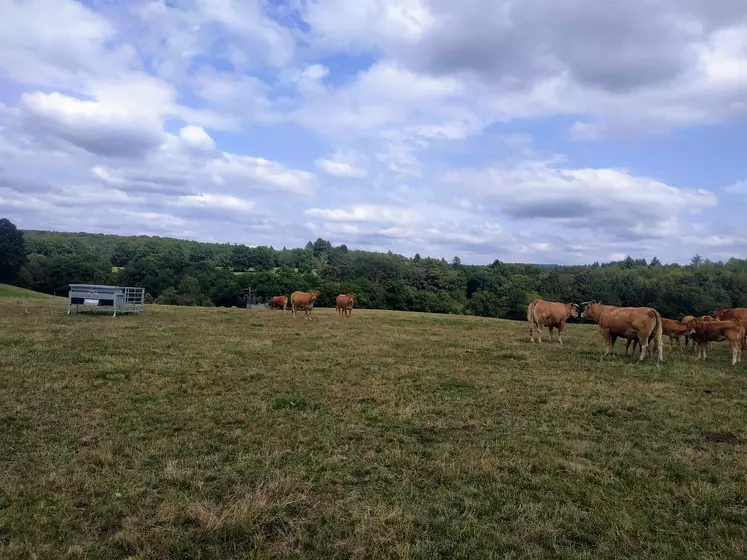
pixel 214 433
pixel 7 291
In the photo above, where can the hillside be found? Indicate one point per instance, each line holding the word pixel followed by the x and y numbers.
pixel 7 291
pixel 229 433
pixel 189 273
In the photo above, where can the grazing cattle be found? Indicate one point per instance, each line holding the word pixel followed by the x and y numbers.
pixel 550 314
pixel 304 301
pixel 279 302
pixel 633 323
pixel 674 330
pixel 345 304
pixel 703 332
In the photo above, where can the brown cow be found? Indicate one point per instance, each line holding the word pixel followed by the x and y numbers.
pixel 731 314
pixel 703 332
pixel 305 301
pixel 279 302
pixel 674 330
pixel 589 316
pixel 345 304
pixel 541 313
pixel 636 323
pixel 738 314
pixel 687 320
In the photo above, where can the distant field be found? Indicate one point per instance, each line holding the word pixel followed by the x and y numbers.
pixel 7 291
pixel 214 433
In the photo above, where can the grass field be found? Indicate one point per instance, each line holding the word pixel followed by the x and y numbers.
pixel 214 433
pixel 7 291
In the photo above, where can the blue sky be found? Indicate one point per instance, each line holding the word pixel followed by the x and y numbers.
pixel 522 130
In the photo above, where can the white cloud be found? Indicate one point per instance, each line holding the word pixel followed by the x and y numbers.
pixel 126 103
pixel 343 164
pixel 59 43
pixel 740 187
pixel 365 213
pixel 339 168
pixel 196 137
pixel 316 71
pixel 223 202
pixel 607 199
pixel 102 129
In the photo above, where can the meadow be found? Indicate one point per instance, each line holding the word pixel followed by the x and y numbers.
pixel 229 433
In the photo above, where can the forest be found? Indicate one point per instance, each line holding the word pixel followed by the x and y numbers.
pixel 181 272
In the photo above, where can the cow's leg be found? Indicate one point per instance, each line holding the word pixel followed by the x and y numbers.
pixel 644 349
pixel 539 332
pixel 607 342
pixel 293 310
pixel 550 329
pixel 735 352
pixel 561 328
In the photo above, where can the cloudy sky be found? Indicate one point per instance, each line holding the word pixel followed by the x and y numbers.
pixel 524 130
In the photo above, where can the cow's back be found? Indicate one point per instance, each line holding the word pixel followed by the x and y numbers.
pixel 626 319
pixel 736 314
pixel 549 313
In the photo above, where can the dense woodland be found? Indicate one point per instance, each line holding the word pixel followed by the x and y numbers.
pixel 180 272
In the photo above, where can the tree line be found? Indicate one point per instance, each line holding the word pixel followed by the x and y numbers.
pixel 180 272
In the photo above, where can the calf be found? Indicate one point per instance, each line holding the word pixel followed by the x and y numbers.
pixel 703 332
pixel 674 330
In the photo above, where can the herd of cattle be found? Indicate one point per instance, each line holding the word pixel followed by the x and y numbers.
pixel 640 326
pixel 304 301
pixel 643 325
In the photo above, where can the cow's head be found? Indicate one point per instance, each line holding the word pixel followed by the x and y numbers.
pixel 692 325
pixel 572 309
pixel 590 310
pixel 720 313
pixel 314 294
pixel 351 295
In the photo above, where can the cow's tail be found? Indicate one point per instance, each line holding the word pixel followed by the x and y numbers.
pixel 659 334
pixel 530 318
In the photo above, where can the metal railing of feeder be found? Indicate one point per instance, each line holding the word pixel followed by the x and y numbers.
pixel 121 299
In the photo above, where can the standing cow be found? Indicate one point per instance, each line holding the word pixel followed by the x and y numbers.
pixel 738 314
pixel 633 323
pixel 541 313
pixel 345 304
pixel 304 301
pixel 279 302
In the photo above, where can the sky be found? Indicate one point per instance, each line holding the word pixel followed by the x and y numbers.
pixel 532 131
